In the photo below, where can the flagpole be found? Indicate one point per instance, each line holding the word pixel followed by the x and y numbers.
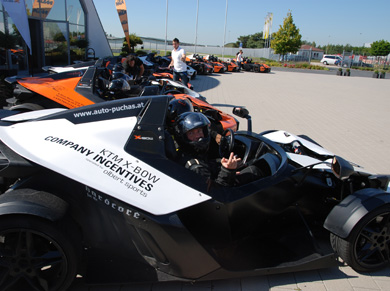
pixel 224 36
pixel 166 28
pixel 196 27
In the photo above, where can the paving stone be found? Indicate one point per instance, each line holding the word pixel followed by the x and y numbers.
pixel 348 116
pixel 254 283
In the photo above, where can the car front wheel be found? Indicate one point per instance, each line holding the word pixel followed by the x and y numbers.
pixel 35 255
pixel 368 246
pixel 325 63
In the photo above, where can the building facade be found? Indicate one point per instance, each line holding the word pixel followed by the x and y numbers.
pixel 62 32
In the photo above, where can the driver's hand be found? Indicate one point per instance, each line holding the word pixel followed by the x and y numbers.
pixel 231 163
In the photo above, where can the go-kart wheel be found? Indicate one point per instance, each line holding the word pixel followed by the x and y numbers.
pixel 226 145
pixel 368 246
pixel 35 255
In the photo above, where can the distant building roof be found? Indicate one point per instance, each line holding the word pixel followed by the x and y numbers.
pixel 307 47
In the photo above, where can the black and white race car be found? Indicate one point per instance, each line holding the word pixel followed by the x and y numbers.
pixel 95 191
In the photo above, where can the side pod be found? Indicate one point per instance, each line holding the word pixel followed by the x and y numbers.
pixel 344 216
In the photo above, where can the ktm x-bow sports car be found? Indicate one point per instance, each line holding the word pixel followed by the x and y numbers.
pixel 97 191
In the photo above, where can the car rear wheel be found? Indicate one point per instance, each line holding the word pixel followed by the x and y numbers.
pixel 35 255
pixel 368 246
pixel 325 63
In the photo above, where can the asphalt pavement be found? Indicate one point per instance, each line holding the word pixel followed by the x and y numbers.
pixel 347 115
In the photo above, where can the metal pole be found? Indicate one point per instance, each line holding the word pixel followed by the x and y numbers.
pixel 166 29
pixel 270 30
pixel 196 27
pixel 224 36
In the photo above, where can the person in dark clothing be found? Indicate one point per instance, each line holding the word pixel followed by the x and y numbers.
pixel 133 66
pixel 192 133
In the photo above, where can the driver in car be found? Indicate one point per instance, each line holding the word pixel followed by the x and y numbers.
pixel 192 133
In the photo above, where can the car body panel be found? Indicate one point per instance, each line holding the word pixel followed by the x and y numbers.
pixel 101 165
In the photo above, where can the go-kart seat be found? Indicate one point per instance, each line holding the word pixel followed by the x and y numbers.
pixel 102 85
pixel 150 91
pixel 268 164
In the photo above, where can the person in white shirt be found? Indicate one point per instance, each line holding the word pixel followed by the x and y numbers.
pixel 239 60
pixel 179 63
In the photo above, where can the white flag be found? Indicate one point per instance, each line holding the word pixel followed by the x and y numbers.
pixel 16 9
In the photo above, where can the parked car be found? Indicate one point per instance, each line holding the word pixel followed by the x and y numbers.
pixel 330 60
pixel 97 191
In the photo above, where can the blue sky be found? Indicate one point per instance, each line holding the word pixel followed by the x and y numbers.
pixel 353 22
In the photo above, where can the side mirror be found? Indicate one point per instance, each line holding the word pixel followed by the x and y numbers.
pixel 241 112
pixel 341 168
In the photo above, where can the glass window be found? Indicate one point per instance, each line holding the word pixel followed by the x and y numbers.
pixel 29 7
pixel 75 12
pixel 78 43
pixel 55 42
pixel 42 8
pixel 2 39
pixel 11 41
pixel 1 21
pixel 53 10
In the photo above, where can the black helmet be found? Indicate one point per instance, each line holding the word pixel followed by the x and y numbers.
pixel 189 121
pixel 118 68
pixel 118 88
pixel 177 107
pixel 120 75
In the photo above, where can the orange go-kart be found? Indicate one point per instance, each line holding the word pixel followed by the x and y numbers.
pixel 85 87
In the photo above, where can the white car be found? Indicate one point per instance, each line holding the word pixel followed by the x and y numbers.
pixel 330 60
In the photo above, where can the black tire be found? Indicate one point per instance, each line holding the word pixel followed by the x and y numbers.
pixel 367 248
pixel 256 69
pixel 35 254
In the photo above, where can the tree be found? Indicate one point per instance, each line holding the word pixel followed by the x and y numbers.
pixel 251 41
pixel 380 48
pixel 134 40
pixel 256 40
pixel 242 39
pixel 287 39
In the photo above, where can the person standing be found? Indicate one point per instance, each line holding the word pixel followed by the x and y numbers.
pixel 178 63
pixel 239 60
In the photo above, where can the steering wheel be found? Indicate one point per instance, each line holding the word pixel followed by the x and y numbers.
pixel 226 145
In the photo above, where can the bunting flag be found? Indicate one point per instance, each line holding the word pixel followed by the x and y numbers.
pixel 265 30
pixel 16 9
pixel 267 25
pixel 42 11
pixel 122 12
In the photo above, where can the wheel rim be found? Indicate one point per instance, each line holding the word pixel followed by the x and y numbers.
pixel 30 259
pixel 372 246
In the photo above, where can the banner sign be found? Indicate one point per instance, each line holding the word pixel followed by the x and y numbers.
pixel 122 12
pixel 267 26
pixel 16 9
